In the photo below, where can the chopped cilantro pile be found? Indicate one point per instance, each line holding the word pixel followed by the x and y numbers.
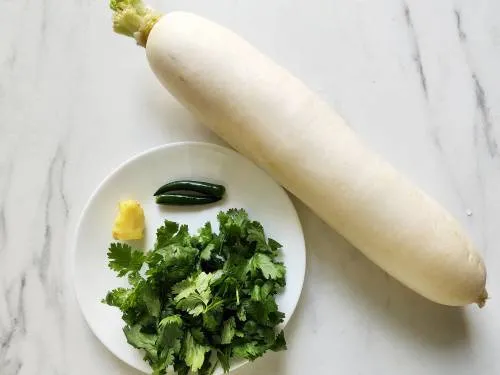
pixel 203 299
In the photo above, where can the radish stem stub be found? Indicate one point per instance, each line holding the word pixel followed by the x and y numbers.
pixel 132 18
pixel 271 117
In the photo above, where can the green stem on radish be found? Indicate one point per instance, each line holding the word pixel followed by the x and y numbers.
pixel 134 19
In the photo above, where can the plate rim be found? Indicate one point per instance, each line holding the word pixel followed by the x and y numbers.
pixel 117 169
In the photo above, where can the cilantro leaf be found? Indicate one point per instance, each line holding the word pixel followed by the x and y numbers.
pixel 256 235
pixel 199 284
pixel 198 335
pixel 120 297
pixel 256 293
pixel 233 223
pixel 165 233
pixel 264 263
pixel 168 343
pixel 180 367
pixel 279 343
pixel 172 233
pixel 184 288
pixel 228 330
pixel 193 294
pixel 251 350
pixel 160 367
pixel 236 267
pixel 123 259
pixel 170 332
pixel 194 353
pixel 134 278
pixel 242 310
pixel 171 264
pixel 205 235
pixel 150 300
pixel 182 236
pixel 212 315
pixel 216 305
pixel 211 320
pixel 206 254
pixel 194 304
pixel 207 368
pixel 224 357
pixel 274 245
pixel 141 340
pixel 264 312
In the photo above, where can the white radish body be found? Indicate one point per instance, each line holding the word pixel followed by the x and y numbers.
pixel 272 118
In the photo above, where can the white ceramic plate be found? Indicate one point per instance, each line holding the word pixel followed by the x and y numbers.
pixel 247 186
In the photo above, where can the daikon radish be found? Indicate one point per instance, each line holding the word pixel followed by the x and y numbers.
pixel 272 118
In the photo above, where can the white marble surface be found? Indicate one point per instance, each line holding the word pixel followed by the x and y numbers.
pixel 419 80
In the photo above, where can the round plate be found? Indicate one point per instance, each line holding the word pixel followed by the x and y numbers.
pixel 247 186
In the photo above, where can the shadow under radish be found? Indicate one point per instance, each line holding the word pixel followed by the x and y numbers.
pixel 172 121
pixel 408 314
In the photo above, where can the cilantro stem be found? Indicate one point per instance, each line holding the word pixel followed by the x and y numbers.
pixel 212 370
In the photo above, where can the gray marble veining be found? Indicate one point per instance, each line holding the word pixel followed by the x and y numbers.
pixel 416 49
pixel 462 35
pixel 5 172
pixel 486 122
pixel 14 330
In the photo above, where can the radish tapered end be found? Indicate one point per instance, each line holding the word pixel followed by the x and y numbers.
pixel 482 299
pixel 134 19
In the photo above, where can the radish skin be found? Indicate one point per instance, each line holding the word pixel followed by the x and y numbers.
pixel 272 118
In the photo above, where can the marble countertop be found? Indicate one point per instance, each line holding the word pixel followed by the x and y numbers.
pixel 418 80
